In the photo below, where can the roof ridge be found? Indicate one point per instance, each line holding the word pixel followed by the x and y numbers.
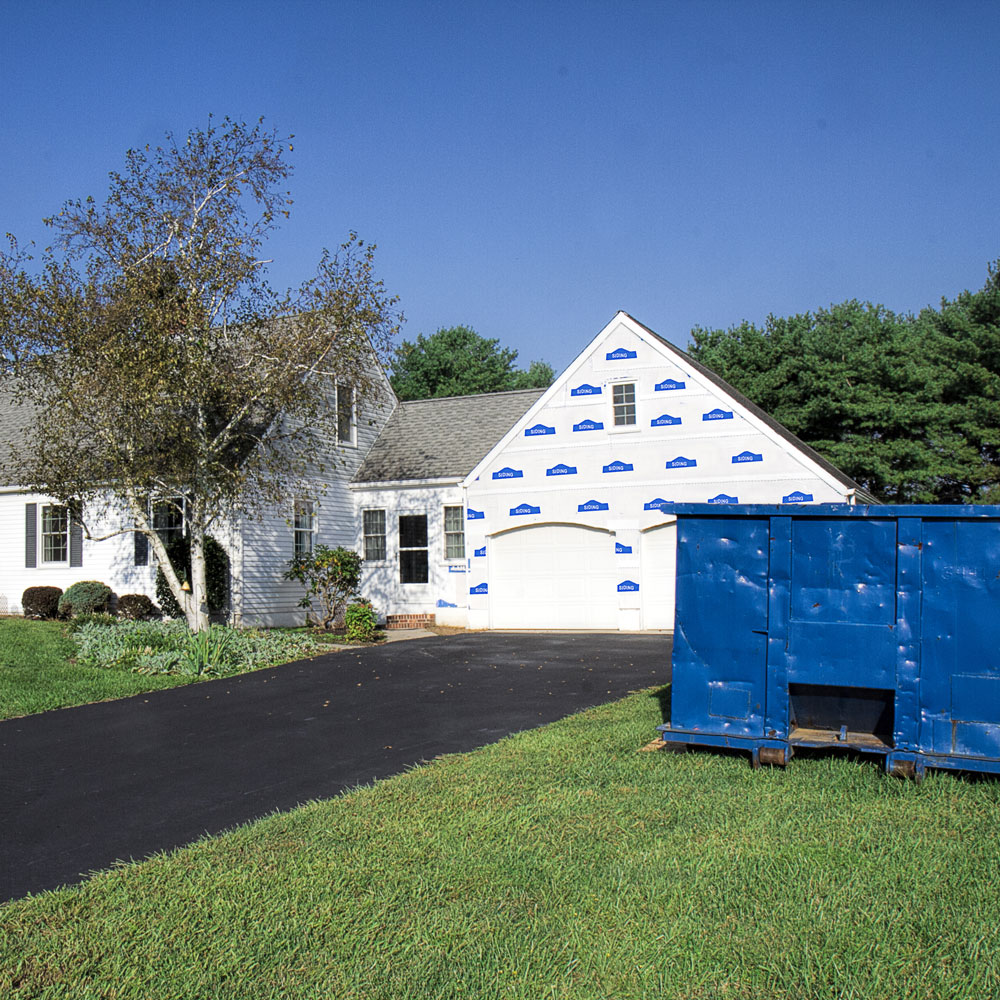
pixel 473 395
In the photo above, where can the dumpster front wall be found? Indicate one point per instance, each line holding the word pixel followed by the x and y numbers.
pixel 899 600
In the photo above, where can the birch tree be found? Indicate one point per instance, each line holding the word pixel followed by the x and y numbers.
pixel 159 361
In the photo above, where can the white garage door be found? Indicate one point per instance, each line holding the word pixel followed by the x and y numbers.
pixel 553 576
pixel 659 569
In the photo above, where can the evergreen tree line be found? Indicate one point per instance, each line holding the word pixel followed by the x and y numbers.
pixel 907 405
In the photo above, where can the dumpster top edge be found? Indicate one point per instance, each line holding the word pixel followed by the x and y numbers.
pixel 925 511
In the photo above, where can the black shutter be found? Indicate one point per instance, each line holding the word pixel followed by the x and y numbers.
pixel 75 543
pixel 31 535
pixel 141 548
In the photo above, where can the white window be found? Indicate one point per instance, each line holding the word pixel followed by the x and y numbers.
pixel 373 523
pixel 168 517
pixel 623 403
pixel 454 533
pixel 346 423
pixel 304 526
pixel 55 534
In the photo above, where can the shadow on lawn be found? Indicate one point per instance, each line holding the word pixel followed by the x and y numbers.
pixel 662 697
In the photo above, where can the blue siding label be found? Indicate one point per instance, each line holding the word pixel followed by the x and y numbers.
pixel 586 390
pixel 680 462
pixel 456 569
pixel 480 552
pixel 747 456
pixel 664 421
pixel 622 550
pixel 524 508
pixel 474 515
pixel 621 354
pixel 537 430
pixel 508 473
pixel 479 588
pixel 669 383
pixel 655 504
pixel 626 586
pixel 797 497
pixel 561 470
pixel 617 467
pixel 592 505
pixel 717 414
pixel 723 498
pixel 589 425
pixel 446 604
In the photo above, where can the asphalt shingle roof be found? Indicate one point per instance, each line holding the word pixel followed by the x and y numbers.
pixel 442 438
pixel 16 417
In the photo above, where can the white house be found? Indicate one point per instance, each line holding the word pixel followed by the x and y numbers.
pixel 531 509
pixel 564 526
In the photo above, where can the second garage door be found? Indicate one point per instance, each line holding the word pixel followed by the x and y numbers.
pixel 553 576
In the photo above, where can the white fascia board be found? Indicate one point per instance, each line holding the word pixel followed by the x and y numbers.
pixel 542 400
pixel 404 484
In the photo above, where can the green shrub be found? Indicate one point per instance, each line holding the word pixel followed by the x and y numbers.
pixel 41 602
pixel 85 597
pixel 136 607
pixel 331 578
pixel 216 575
pixel 361 622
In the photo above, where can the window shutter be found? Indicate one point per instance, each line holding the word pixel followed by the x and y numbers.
pixel 141 548
pixel 75 543
pixel 31 535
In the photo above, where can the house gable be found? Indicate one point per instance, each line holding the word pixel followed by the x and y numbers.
pixel 633 425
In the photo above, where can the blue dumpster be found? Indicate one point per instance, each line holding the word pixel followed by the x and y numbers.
pixel 873 629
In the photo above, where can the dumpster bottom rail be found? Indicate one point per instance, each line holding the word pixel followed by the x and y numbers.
pixel 768 750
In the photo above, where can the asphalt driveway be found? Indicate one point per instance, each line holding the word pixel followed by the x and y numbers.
pixel 83 787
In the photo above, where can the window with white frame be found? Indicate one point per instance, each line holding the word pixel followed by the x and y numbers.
pixel 454 533
pixel 303 526
pixel 346 424
pixel 168 517
pixel 373 525
pixel 413 548
pixel 55 533
pixel 623 403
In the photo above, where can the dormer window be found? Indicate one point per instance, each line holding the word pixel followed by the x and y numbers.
pixel 623 403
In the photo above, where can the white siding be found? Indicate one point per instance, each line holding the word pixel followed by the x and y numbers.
pixel 111 561
pixel 445 594
pixel 266 543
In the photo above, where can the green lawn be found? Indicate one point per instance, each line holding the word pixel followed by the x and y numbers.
pixel 557 863
pixel 36 673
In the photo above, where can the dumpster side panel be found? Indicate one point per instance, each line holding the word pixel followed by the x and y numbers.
pixel 720 640
pixel 960 655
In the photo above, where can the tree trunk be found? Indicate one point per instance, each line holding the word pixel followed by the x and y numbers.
pixel 197 610
pixel 138 509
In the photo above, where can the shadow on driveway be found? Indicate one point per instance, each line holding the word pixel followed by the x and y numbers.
pixel 83 787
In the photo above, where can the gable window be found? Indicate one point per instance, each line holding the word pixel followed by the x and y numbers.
pixel 623 403
pixel 412 548
pixel 373 524
pixel 454 533
pixel 303 526
pixel 55 534
pixel 345 414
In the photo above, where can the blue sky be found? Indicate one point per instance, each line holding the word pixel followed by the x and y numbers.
pixel 530 168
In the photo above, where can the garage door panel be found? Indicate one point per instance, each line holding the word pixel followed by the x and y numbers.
pixel 553 576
